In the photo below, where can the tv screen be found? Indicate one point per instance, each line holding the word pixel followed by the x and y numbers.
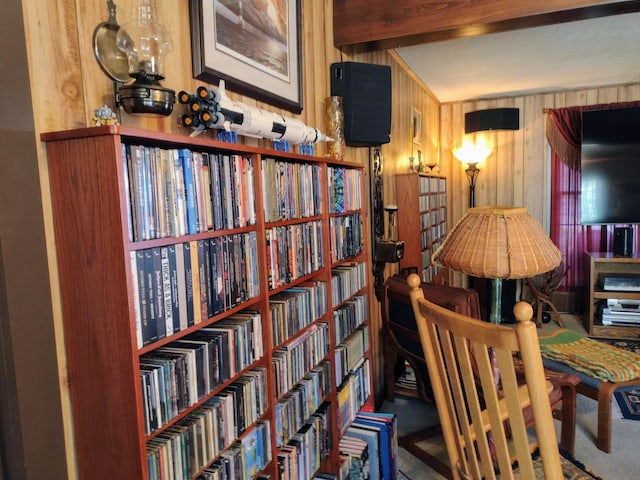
pixel 610 190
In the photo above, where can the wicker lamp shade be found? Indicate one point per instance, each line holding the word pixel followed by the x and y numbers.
pixel 498 242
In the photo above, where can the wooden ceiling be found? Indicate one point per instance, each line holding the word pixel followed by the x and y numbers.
pixel 370 25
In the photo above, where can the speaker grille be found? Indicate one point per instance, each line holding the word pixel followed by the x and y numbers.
pixel 366 92
pixel 492 119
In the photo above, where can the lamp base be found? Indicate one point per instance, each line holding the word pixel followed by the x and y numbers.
pixel 485 290
pixel 139 98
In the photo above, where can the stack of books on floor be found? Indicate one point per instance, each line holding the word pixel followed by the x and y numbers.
pixel 369 448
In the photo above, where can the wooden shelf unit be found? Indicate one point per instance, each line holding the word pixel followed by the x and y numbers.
pixel 422 220
pixel 90 200
pixel 598 265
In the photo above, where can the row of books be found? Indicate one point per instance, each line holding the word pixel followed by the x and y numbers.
pixel 432 201
pixel 433 217
pixel 177 375
pixel 244 459
pixel 432 184
pixel 295 308
pixel 175 192
pixel 346 236
pixel 370 447
pixel 292 362
pixel 291 190
pixel 293 251
pixel 177 286
pixel 185 448
pixel 293 410
pixel 350 352
pixel 347 280
pixel 345 189
pixel 352 394
pixel 349 316
pixel 301 457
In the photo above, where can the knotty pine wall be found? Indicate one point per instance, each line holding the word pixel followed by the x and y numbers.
pixel 67 85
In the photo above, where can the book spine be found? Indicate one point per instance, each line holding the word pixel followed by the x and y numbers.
pixel 158 291
pixel 189 188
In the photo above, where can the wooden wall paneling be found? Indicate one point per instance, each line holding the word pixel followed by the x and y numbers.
pixel 97 88
pixel 315 75
pixel 519 177
pixel 534 192
pixel 53 50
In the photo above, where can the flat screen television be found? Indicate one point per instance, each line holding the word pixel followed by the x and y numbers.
pixel 610 189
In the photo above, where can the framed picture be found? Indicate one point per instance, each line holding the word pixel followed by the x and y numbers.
pixel 416 126
pixel 256 52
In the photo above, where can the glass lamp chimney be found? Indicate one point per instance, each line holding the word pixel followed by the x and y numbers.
pixel 145 42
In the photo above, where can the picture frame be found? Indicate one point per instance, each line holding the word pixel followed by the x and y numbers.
pixel 256 55
pixel 416 126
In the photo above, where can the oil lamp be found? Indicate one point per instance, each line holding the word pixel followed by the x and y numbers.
pixel 145 42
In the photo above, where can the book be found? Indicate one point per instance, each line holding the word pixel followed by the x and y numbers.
pixel 133 265
pixel 372 437
pixel 386 426
pixel 195 281
pixel 206 185
pixel 167 302
pixel 189 188
pixel 150 286
pixel 189 286
pixel 158 291
pixel 174 287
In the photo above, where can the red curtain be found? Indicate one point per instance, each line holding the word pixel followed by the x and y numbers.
pixel 564 131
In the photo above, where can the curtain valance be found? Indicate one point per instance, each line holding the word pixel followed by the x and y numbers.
pixel 564 129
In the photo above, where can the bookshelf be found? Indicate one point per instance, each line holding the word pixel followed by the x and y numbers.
pixel 597 266
pixel 215 304
pixel 422 220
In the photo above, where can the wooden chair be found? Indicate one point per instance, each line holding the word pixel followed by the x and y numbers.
pixel 482 421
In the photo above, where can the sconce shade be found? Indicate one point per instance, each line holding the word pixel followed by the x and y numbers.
pixel 498 243
pixel 492 119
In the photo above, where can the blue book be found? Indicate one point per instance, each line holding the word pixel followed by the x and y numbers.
pixel 373 443
pixel 189 189
pixel 387 445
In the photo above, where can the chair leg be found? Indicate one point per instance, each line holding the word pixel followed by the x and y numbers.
pixel 605 394
pixel 568 419
pixel 389 371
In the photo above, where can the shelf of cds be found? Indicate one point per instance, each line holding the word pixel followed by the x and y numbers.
pixel 215 305
pixel 422 220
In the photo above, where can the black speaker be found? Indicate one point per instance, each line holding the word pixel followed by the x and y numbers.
pixel 492 119
pixel 366 99
pixel 623 241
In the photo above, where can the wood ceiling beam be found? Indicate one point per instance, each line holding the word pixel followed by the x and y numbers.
pixel 370 25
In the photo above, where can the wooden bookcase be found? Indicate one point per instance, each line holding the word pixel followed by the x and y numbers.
pixel 312 251
pixel 422 220
pixel 597 265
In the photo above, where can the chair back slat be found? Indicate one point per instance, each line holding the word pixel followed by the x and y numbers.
pixel 475 387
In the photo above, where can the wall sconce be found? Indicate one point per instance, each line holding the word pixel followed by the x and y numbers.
pixel 472 155
pixel 145 43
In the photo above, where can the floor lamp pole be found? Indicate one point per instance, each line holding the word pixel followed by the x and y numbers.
pixel 472 174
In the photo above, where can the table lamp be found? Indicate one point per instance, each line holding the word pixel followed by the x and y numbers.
pixel 498 243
